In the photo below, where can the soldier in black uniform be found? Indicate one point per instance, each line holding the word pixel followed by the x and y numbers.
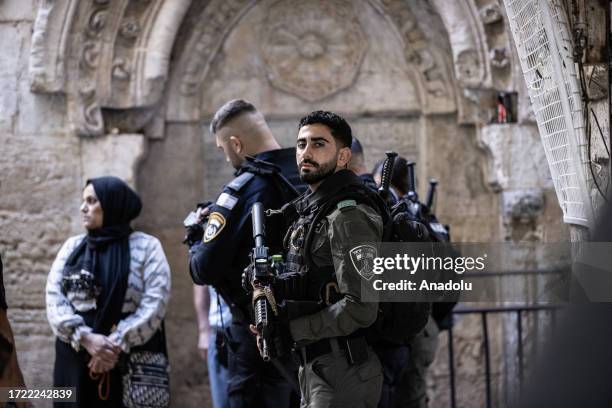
pixel 223 252
pixel 331 247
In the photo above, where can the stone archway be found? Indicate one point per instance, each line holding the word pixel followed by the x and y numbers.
pixel 381 68
pixel 143 77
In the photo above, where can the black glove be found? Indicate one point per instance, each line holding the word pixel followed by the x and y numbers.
pixel 195 233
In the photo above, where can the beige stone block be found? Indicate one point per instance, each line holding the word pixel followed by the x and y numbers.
pixel 112 155
pixel 8 103
pixel 171 177
pixel 517 157
pixel 39 173
pixel 15 10
pixel 40 114
pixel 11 44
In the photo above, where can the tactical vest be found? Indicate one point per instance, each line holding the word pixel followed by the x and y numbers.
pixel 309 281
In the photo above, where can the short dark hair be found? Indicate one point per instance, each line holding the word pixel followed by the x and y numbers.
pixel 356 147
pixel 340 129
pixel 229 111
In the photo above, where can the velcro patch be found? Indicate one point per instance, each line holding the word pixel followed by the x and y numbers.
pixel 227 201
pixel 362 257
pixel 216 222
pixel 346 203
pixel 439 228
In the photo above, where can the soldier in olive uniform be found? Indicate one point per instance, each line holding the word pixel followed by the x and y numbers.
pixel 331 246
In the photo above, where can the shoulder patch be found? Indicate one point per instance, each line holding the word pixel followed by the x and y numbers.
pixel 346 204
pixel 216 222
pixel 227 201
pixel 239 182
pixel 362 257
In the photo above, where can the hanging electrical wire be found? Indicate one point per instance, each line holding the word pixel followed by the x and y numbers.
pixel 580 42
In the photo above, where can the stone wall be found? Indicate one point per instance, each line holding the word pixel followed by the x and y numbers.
pixel 40 168
pixel 89 89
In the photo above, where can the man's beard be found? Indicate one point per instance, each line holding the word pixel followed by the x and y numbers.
pixel 319 173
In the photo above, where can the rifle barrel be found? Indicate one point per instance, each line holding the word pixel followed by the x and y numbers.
pixel 431 192
pixel 410 174
pixel 387 172
pixel 259 225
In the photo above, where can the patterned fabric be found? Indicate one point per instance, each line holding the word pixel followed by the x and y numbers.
pixel 145 383
pixel 146 298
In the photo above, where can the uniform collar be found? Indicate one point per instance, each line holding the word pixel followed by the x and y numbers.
pixel 279 158
pixel 327 189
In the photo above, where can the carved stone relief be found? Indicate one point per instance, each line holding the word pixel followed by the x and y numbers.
pixel 438 84
pixel 468 68
pixel 523 206
pixel 49 40
pixel 312 49
pixel 220 17
pixel 86 113
pixel 127 72
pixel 130 29
pixel 491 14
pixel 121 70
pixel 201 45
pixel 499 57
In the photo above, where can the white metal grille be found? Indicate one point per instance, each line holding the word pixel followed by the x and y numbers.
pixel 543 42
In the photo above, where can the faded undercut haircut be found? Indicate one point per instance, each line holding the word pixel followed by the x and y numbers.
pixel 339 128
pixel 229 111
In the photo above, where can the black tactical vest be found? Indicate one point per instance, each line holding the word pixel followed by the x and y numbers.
pixel 309 263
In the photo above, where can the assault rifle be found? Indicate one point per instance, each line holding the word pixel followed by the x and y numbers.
pixel 261 275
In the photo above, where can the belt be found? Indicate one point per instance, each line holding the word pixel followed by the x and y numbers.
pixel 321 347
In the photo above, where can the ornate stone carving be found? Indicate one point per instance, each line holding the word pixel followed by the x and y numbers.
pixel 97 21
pixel 499 57
pixel 90 55
pixel 129 29
pixel 437 83
pixel 49 39
pixel 312 49
pixel 220 16
pixel 468 68
pixel 90 122
pixel 490 14
pixel 523 206
pixel 143 32
pixel 120 69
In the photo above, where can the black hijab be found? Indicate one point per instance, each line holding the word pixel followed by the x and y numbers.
pixel 105 251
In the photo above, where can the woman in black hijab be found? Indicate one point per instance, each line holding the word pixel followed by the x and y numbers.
pixel 88 304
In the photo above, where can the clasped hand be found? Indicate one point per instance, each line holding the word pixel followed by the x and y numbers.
pixel 104 353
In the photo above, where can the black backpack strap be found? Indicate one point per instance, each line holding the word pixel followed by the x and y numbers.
pixel 264 168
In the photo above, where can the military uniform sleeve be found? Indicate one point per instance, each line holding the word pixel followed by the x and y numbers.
pixel 350 229
pixel 210 259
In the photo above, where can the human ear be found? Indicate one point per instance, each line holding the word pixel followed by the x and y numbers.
pixel 236 144
pixel 344 156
